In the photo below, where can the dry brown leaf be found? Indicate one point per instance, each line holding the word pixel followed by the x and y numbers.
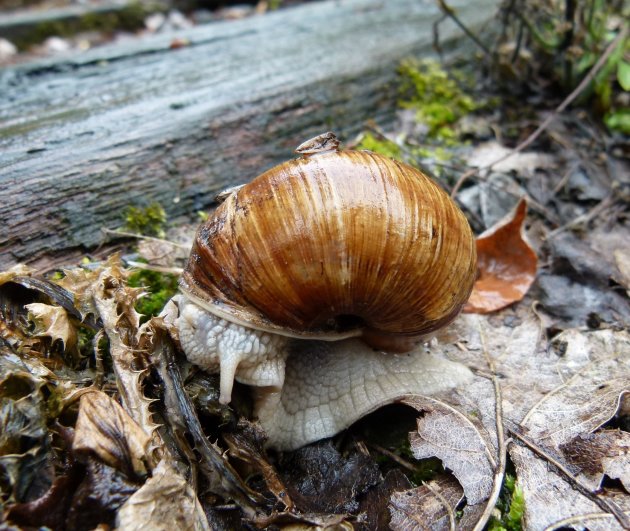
pixel 606 452
pixel 430 506
pixel 297 521
pixel 590 396
pixel 593 374
pixel 80 282
pixel 560 389
pixel 165 502
pixel 622 261
pixel 246 444
pixel 506 264
pixel 613 247
pixel 523 162
pixel 105 429
pixel 551 502
pixel 114 302
pixel 54 322
pixel 457 440
pixel 17 270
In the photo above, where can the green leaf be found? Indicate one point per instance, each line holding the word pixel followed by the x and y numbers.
pixel 619 121
pixel 623 75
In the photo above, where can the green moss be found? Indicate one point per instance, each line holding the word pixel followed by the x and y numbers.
pixel 618 121
pixel 435 95
pixel 511 505
pixel 383 147
pixel 149 220
pixel 160 287
pixel 85 336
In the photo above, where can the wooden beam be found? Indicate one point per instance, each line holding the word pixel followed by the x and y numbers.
pixel 81 138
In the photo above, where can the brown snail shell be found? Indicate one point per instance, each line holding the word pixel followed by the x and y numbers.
pixel 335 244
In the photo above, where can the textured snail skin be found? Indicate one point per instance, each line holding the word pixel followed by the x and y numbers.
pixel 331 385
pixel 328 386
pixel 252 357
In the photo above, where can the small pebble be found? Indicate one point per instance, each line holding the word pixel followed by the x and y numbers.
pixel 177 20
pixel 7 49
pixel 155 21
pixel 55 45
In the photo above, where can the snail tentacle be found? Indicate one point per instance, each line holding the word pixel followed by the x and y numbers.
pixel 252 357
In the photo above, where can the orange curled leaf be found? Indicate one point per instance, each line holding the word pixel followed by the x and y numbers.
pixel 506 264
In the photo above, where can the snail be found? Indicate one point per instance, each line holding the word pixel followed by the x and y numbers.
pixel 333 256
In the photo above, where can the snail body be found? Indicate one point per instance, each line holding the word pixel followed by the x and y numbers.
pixel 328 246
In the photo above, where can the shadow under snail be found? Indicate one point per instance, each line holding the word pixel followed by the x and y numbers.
pixel 307 282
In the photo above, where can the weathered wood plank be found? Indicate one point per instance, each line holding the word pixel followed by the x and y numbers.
pixel 82 138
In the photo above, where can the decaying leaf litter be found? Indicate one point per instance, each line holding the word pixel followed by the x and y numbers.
pixel 98 430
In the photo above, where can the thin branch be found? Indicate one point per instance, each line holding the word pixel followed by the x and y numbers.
pixel 158 269
pixel 143 237
pixel 560 108
pixel 444 502
pixel 396 458
pixel 499 472
pixel 584 218
pixel 606 505
pixel 450 12
pixel 579 520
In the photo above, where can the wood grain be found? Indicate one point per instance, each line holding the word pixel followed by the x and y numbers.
pixel 81 138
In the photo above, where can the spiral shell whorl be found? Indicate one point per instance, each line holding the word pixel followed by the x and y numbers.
pixel 332 244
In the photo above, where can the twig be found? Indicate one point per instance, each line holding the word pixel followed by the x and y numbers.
pixel 565 178
pixel 158 269
pixel 444 502
pixel 567 101
pixel 396 458
pixel 450 12
pixel 436 35
pixel 143 237
pixel 578 521
pixel 584 218
pixel 519 42
pixel 499 472
pixel 603 503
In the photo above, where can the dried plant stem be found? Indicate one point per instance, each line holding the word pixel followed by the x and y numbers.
pixel 603 205
pixel 499 471
pixel 159 269
pixel 606 505
pixel 143 237
pixel 577 521
pixel 450 12
pixel 444 502
pixel 567 101
pixel 396 458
